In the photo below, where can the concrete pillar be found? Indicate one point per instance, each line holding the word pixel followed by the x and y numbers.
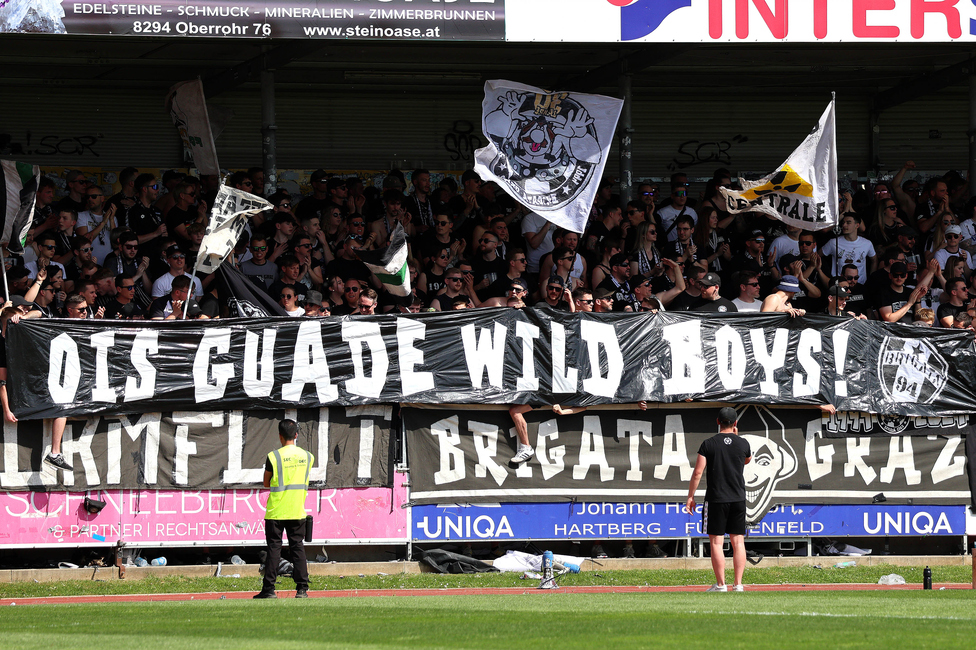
pixel 972 134
pixel 625 132
pixel 269 157
pixel 875 123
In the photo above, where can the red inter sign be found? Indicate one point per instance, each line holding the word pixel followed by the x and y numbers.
pixel 870 19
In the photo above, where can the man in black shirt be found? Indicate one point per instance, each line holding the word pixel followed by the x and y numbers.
pixel 171 306
pixel 347 264
pixel 183 212
pixel 958 297
pixel 710 300
pixel 724 510
pixel 488 266
pixel 258 269
pixel 289 272
pixel 618 281
pixel 75 199
pixel 557 295
pixel 752 257
pixel 692 293
pixel 124 306
pixel 318 200
pixel 897 303
pixel 144 218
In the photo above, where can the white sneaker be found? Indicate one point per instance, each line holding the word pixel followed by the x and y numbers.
pixel 524 453
pixel 721 588
pixel 738 588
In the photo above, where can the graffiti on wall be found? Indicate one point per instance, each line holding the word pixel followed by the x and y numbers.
pixel 698 152
pixel 49 145
pixel 462 141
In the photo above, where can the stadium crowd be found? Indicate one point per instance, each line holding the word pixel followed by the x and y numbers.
pixel 903 251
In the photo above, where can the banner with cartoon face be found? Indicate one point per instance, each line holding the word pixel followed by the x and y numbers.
pixel 547 149
pixel 608 456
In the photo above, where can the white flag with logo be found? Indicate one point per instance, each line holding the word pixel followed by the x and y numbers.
pixel 547 149
pixel 803 191
pixel 230 213
pixel 188 108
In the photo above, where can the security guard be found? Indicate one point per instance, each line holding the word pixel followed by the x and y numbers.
pixel 286 473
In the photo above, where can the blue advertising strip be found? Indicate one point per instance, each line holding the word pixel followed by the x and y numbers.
pixel 594 520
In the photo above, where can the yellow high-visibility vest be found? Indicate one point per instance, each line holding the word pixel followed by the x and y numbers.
pixel 290 467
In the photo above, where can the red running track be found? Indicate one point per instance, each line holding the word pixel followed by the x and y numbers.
pixel 500 591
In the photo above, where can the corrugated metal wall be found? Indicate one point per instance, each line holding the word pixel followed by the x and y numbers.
pixel 82 127
pixel 438 129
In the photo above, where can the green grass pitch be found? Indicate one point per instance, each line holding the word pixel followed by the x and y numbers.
pixel 756 620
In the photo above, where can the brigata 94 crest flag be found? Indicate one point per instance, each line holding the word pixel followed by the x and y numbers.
pixel 803 191
pixel 547 149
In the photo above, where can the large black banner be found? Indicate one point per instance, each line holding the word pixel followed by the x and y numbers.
pixel 198 450
pixel 472 20
pixel 496 356
pixel 619 456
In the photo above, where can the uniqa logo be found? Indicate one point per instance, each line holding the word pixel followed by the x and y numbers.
pixel 638 18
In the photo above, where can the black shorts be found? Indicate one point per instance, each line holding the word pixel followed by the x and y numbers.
pixel 724 518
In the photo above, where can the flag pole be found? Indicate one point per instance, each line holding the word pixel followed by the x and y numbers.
pixel 193 276
pixel 6 287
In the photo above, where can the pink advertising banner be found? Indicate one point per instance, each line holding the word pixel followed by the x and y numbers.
pixel 195 518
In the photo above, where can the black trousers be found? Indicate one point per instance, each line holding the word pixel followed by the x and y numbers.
pixel 274 529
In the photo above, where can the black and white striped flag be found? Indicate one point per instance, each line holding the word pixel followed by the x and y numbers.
pixel 390 263
pixel 19 181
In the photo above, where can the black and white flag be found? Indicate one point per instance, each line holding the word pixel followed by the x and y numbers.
pixel 187 106
pixel 390 263
pixel 244 297
pixel 232 208
pixel 547 149
pixel 803 190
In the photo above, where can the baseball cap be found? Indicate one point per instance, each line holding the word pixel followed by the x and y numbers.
pixel 318 175
pixel 838 291
pixel 602 292
pixel 711 280
pixel 620 259
pixel 757 234
pixel 906 231
pixel 556 280
pixel 727 415
pixel 392 182
pixel 520 282
pixel 899 267
pixel 953 230
pixel 789 283
pixel 787 260
pixel 172 250
pixel 334 182
pixel 19 301
pixel 313 298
